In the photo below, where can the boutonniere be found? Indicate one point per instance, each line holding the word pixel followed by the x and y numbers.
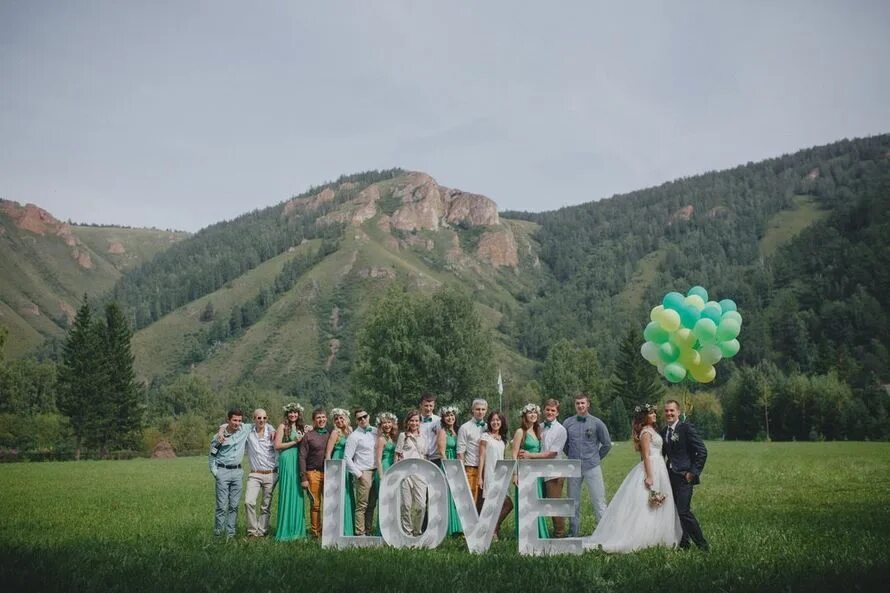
pixel 589 433
pixel 675 438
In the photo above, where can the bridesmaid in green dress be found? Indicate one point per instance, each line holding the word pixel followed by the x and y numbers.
pixel 447 446
pixel 527 445
pixel 385 451
pixel 291 512
pixel 336 448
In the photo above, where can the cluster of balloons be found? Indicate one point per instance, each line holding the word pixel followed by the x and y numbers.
pixel 688 335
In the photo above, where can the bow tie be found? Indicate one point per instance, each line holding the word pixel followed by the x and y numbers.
pixel 581 418
pixel 548 424
pixel 428 419
pixel 480 423
pixel 321 430
pixel 368 429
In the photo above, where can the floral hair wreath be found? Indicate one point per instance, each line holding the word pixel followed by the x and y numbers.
pixel 530 408
pixel 645 408
pixel 449 410
pixel 293 407
pixel 339 412
pixel 386 416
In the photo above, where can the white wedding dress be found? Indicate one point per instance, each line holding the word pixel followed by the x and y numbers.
pixel 630 523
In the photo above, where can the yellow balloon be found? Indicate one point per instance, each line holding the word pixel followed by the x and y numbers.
pixel 684 338
pixel 696 301
pixel 655 314
pixel 669 320
pixel 690 358
pixel 703 374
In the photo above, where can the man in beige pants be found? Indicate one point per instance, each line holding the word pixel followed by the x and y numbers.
pixel 361 463
pixel 263 473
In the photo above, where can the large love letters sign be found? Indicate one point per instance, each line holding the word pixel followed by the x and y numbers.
pixel 478 527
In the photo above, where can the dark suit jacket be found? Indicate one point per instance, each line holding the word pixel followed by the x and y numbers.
pixel 685 454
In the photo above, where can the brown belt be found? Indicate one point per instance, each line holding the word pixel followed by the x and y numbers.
pixel 264 471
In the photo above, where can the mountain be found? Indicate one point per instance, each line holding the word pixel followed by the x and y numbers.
pixel 290 319
pixel 46 266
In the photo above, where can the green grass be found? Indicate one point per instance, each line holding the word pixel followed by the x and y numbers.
pixel 780 517
pixel 787 224
pixel 140 245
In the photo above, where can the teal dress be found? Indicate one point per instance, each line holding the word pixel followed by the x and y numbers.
pixel 454 526
pixel 349 502
pixel 531 444
pixel 387 458
pixel 291 510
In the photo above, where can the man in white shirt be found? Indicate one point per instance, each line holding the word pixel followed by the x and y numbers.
pixel 429 426
pixel 468 436
pixel 360 462
pixel 553 441
pixel 263 473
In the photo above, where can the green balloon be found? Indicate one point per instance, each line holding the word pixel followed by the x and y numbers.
pixel 672 300
pixel 700 291
pixel 728 329
pixel 689 316
pixel 712 312
pixel 668 352
pixel 655 333
pixel 674 372
pixel 733 315
pixel 727 305
pixel 711 354
pixel 705 330
pixel 729 348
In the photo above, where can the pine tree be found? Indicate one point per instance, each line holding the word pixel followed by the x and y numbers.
pixel 81 378
pixel 634 380
pixel 123 398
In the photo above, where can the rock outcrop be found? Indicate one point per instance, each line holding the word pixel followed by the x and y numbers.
pixel 498 248
pixel 684 213
pixel 427 205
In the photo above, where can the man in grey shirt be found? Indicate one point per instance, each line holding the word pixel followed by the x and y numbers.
pixel 587 440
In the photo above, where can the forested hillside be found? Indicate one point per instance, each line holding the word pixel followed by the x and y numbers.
pixel 730 231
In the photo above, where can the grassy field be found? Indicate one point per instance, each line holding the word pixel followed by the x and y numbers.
pixel 780 517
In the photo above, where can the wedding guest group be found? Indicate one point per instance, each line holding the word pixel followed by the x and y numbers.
pixel 652 507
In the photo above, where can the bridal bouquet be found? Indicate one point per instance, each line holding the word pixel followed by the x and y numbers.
pixel 656 498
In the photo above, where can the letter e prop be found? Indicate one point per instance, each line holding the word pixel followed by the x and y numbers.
pixel 532 507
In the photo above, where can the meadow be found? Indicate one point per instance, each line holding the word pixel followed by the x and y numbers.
pixel 779 516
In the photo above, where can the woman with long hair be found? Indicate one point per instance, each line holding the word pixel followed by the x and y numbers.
pixel 491 448
pixel 291 513
pixel 446 443
pixel 642 512
pixel 528 438
pixel 336 449
pixel 412 445
pixel 385 449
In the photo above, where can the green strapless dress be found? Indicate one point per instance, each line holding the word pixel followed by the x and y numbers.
pixel 532 445
pixel 349 499
pixel 291 508
pixel 454 526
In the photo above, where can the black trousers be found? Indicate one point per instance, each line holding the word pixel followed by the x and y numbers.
pixel 683 499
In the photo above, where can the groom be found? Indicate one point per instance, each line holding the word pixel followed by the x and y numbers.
pixel 685 454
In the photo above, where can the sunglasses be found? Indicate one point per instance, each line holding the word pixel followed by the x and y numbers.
pixel 361 416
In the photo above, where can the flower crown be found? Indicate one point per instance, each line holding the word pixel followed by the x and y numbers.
pixel 386 416
pixel 645 408
pixel 293 407
pixel 530 408
pixel 339 412
pixel 449 410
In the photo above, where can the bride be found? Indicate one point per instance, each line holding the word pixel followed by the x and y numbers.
pixel 642 513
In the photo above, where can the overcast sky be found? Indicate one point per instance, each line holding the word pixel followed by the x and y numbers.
pixel 183 113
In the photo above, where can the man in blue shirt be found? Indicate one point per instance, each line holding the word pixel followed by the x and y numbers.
pixel 588 440
pixel 226 453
